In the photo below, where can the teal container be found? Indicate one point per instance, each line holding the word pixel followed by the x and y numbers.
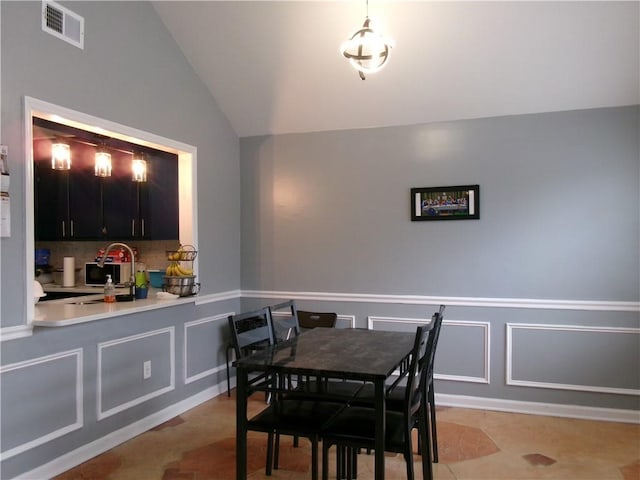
pixel 155 278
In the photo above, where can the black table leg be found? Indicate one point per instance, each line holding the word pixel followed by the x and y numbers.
pixel 241 423
pixel 380 427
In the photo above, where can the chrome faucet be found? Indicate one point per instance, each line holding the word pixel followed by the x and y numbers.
pixel 132 280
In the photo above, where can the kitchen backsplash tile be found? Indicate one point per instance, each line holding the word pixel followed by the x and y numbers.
pixel 152 253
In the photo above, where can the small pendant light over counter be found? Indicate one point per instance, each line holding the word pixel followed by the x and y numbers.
pixel 102 162
pixel 139 168
pixel 367 50
pixel 60 156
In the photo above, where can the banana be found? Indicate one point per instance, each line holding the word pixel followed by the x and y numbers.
pixel 171 269
pixel 182 271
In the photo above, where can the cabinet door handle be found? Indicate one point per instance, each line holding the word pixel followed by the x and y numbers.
pixel 142 225
pixel 71 227
pixel 133 227
pixel 63 230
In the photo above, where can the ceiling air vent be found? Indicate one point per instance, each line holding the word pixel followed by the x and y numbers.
pixel 62 23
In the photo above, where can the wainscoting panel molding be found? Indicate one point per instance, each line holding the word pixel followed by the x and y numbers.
pixel 594 350
pixel 121 370
pixel 60 375
pixel 196 332
pixel 346 321
pixel 477 349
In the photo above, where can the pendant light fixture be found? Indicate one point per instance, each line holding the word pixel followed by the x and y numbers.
pixel 60 156
pixel 102 162
pixel 367 50
pixel 139 168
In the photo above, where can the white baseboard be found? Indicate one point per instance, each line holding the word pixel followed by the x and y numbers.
pixel 537 408
pixel 112 440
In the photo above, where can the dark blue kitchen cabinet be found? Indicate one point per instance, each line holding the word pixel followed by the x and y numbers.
pixel 67 203
pixel 143 210
pixel 158 202
pixel 77 205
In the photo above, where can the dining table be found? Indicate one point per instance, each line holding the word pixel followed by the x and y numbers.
pixel 328 353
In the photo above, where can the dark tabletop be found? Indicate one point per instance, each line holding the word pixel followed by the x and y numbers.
pixel 335 352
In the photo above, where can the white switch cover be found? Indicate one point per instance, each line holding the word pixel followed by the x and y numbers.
pixel 146 369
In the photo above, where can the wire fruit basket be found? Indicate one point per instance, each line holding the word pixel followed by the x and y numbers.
pixel 179 278
pixel 185 253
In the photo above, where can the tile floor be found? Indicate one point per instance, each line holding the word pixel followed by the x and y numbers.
pixel 473 445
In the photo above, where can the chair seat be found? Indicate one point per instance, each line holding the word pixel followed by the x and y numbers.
pixel 294 416
pixel 357 425
pixel 366 397
pixel 331 390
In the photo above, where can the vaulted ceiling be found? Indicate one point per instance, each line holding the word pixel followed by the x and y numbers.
pixel 274 67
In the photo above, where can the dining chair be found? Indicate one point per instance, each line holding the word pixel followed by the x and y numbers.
pixel 283 328
pixel 353 428
pixel 431 401
pixel 317 319
pixel 336 390
pixel 288 321
pixel 395 397
pixel 296 417
pixel 252 331
pixel 285 320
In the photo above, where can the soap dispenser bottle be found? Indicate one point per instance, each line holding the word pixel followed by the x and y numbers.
pixel 109 291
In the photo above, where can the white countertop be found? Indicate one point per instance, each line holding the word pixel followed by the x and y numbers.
pixel 67 311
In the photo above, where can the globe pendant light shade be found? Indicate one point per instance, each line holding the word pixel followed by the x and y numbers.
pixel 366 50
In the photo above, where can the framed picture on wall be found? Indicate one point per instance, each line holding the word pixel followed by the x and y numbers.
pixel 461 202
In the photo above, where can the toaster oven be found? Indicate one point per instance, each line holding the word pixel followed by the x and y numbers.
pixel 94 275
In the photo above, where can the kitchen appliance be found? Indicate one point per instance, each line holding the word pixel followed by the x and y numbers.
pixel 96 276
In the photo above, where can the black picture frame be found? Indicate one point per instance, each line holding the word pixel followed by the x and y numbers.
pixel 460 202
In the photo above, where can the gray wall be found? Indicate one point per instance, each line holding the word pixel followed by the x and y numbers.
pixel 63 388
pixel 130 72
pixel 559 203
pixel 549 272
pixel 325 220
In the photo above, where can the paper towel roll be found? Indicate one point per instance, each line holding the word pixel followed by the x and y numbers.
pixel 69 272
